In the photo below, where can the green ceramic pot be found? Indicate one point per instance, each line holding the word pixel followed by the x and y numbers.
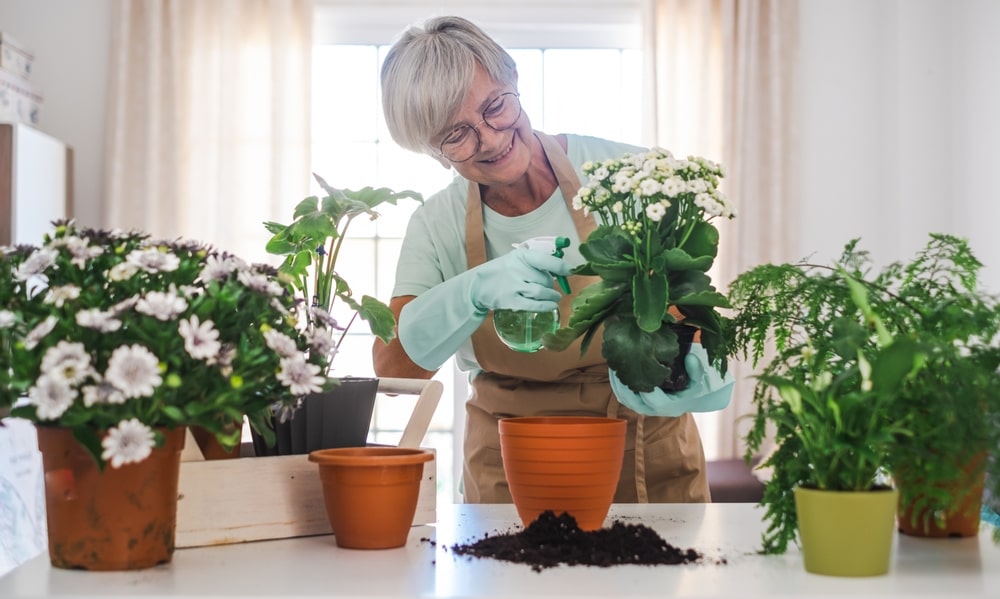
pixel 846 533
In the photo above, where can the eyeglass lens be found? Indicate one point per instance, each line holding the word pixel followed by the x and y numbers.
pixel 463 142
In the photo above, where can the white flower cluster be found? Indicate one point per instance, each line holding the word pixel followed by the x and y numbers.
pixel 645 185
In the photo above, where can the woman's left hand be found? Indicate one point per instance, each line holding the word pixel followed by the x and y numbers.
pixel 707 391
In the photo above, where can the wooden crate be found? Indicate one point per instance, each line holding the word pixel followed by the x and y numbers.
pixel 252 499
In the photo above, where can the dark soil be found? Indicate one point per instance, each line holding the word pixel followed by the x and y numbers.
pixel 553 540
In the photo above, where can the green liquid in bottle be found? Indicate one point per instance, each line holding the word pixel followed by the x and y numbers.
pixel 522 331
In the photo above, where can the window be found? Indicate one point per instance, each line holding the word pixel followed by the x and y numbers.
pixel 558 60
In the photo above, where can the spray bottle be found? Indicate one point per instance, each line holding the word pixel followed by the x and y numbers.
pixel 521 330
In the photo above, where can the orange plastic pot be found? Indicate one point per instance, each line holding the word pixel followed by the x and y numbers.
pixel 370 493
pixel 563 464
pixel 116 519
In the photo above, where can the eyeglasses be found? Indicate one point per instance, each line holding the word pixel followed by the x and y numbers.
pixel 463 142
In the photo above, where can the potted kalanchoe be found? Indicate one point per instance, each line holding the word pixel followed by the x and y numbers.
pixel 114 330
pixel 311 246
pixel 652 250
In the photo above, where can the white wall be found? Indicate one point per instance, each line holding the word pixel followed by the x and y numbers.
pixel 71 41
pixel 900 130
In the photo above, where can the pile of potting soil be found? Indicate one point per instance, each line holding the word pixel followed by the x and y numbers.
pixel 552 540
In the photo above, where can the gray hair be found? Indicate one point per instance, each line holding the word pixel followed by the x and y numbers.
pixel 427 72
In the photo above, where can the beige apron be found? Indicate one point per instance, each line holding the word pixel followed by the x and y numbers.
pixel 664 460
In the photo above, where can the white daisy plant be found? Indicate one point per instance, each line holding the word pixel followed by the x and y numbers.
pixel 120 337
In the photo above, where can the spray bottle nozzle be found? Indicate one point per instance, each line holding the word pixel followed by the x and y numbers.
pixel 549 244
pixel 560 243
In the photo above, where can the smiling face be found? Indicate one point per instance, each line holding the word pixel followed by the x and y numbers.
pixel 503 156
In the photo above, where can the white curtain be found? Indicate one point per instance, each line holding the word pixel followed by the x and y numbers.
pixel 722 83
pixel 208 120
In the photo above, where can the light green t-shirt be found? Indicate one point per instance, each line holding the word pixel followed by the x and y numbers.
pixel 433 249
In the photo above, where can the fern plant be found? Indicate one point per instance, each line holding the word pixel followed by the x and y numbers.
pixel 868 373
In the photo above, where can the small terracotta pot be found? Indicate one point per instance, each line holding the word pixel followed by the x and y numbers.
pixel 116 519
pixel 371 493
pixel 564 464
pixel 961 518
pixel 210 447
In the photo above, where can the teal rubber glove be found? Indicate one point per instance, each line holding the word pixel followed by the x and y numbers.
pixel 707 391
pixel 437 322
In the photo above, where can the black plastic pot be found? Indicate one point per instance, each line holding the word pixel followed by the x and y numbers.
pixel 340 417
pixel 678 379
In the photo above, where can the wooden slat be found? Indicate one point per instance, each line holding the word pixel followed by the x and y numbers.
pixel 258 498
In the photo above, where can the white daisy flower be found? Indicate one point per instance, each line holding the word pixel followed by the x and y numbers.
pixel 300 376
pixel 98 320
pixel 153 260
pixel 162 305
pixel 51 396
pixel 322 342
pixel 134 370
pixel 259 282
pixel 67 361
pixel 38 333
pixel 122 271
pixel 322 317
pixel 282 344
pixel 81 250
pixel 201 339
pixel 58 296
pixel 37 263
pixel 129 442
pixel 101 393
pixel 218 268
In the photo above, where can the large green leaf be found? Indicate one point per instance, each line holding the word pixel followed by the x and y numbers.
pixel 677 259
pixel 897 362
pixel 637 356
pixel 649 303
pixel 589 308
pixel 703 241
pixel 608 255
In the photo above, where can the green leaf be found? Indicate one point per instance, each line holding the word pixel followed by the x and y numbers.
pixel 703 241
pixel 589 308
pixel 677 259
pixel 636 356
pixel 379 316
pixel 895 363
pixel 649 304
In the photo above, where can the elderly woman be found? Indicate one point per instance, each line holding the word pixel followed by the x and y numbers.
pixel 450 91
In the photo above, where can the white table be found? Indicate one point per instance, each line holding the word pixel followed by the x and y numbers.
pixel 426 567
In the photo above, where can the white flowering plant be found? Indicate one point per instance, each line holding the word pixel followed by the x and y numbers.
pixel 652 249
pixel 113 332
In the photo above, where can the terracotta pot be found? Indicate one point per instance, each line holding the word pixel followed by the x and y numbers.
pixel 958 519
pixel 846 533
pixel 564 464
pixel 119 519
pixel 210 447
pixel 371 493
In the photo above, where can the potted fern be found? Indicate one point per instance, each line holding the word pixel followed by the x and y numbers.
pixel 919 337
pixel 830 372
pixel 311 245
